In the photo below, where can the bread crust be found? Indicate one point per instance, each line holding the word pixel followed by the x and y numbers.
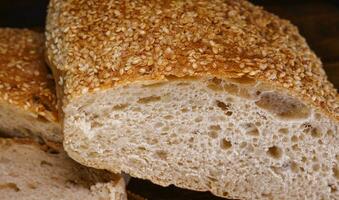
pixel 119 43
pixel 24 78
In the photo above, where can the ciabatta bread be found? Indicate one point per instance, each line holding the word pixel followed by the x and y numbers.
pixel 207 95
pixel 30 171
pixel 27 89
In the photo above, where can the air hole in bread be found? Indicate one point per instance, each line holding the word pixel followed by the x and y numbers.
pixel 316 167
pixel 304 159
pixel 198 119
pixel 306 128
pixel 45 163
pixel 161 154
pixel 184 110
pixel 165 128
pixel 294 139
pixel 136 109
pixel 52 151
pixel 96 124
pixel 120 107
pixel 324 168
pixel 41 118
pixel 267 195
pixel 275 138
pixel 275 152
pixel 283 130
pixel 228 113
pixel 317 116
pixel 224 107
pixel 335 170
pixel 215 85
pixel 158 125
pixel 168 117
pixel 194 108
pixel 225 194
pixel 12 186
pixel 285 139
pixel 152 141
pixel 213 134
pixel 330 133
pixel 243 145
pixel 215 127
pixel 93 154
pixel 141 148
pixel 225 144
pixel 282 106
pixel 149 99
pixel 32 186
pixel 250 129
pixel 316 133
pixel 333 188
pixel 183 84
pixel 301 137
pixel 294 167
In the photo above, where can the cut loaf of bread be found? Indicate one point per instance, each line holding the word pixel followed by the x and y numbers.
pixel 31 171
pixel 207 95
pixel 27 89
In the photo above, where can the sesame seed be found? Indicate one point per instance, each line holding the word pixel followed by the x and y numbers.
pixel 142 70
pixel 168 68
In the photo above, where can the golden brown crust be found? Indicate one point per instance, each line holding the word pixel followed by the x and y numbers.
pixel 24 77
pixel 99 45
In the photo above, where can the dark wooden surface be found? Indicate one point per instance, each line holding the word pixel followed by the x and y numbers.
pixel 318 22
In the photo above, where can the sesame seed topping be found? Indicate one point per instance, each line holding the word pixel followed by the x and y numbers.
pixel 108 42
pixel 24 77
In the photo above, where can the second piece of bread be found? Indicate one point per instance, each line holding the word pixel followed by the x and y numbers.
pixel 27 89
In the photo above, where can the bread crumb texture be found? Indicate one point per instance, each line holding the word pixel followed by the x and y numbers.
pixel 96 45
pixel 24 77
pixel 30 170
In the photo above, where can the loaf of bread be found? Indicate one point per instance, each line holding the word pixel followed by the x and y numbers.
pixel 27 89
pixel 217 96
pixel 31 171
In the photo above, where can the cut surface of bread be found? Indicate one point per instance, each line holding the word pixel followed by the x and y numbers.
pixel 237 141
pixel 32 171
pixel 206 95
pixel 27 89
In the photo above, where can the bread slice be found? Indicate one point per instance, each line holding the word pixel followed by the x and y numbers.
pixel 27 89
pixel 30 171
pixel 207 95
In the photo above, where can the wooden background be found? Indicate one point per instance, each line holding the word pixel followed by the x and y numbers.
pixel 318 22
